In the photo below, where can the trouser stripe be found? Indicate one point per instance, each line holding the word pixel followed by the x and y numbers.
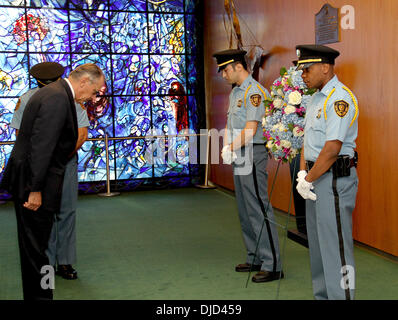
pixel 339 232
pixel 267 224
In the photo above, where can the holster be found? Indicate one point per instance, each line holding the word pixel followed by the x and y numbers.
pixel 341 167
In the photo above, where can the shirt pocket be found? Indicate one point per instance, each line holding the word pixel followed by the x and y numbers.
pixel 238 118
pixel 318 121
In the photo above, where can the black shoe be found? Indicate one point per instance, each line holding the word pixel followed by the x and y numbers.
pixel 66 271
pixel 245 267
pixel 266 276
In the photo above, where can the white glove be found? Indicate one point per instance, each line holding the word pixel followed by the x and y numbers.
pixel 304 187
pixel 227 155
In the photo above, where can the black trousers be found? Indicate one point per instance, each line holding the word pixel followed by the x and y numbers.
pixel 34 229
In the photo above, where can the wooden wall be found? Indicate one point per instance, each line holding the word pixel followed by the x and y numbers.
pixel 367 65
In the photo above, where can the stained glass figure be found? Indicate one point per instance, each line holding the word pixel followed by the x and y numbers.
pixel 13 29
pixel 166 33
pixel 166 69
pixel 129 32
pixel 148 52
pixel 89 31
pixel 131 75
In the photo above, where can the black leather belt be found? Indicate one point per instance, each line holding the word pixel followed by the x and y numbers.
pixel 349 164
pixel 341 167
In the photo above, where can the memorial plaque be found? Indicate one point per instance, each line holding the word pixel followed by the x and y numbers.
pixel 327 28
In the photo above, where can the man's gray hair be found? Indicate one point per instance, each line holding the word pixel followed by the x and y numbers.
pixel 88 69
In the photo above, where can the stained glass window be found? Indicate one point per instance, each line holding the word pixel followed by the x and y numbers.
pixel 148 50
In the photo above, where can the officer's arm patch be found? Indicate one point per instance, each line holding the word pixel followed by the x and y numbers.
pixel 341 107
pixel 18 104
pixel 255 99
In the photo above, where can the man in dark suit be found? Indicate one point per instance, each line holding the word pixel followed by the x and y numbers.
pixel 35 170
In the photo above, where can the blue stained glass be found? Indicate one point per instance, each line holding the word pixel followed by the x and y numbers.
pixel 101 121
pixel 163 119
pixel 166 33
pixel 192 75
pixel 128 5
pixel 89 4
pixel 92 161
pixel 142 55
pixel 12 29
pixel 47 3
pixel 102 60
pixel 132 116
pixel 5 151
pixel 166 5
pixel 62 58
pixel 7 108
pixel 14 79
pixel 166 69
pixel 130 75
pixel 191 5
pixel 193 114
pixel 192 40
pixel 132 160
pixel 89 31
pixel 49 30
pixel 16 3
pixel 132 119
pixel 170 155
pixel 129 32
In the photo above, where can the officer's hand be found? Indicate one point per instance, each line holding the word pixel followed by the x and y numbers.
pixel 34 201
pixel 301 175
pixel 227 155
pixel 304 187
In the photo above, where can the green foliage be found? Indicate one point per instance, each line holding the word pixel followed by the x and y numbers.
pixel 283 71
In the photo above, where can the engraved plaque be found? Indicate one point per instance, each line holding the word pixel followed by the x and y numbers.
pixel 327 29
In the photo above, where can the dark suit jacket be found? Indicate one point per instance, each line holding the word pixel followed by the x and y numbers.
pixel 46 138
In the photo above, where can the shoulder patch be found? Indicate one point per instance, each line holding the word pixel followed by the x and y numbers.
pixel 341 107
pixel 18 104
pixel 255 99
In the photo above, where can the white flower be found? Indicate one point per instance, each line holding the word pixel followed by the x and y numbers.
pixel 280 92
pixel 275 127
pixel 270 144
pixel 298 132
pixel 278 103
pixel 295 98
pixel 290 109
pixel 264 122
pixel 284 81
pixel 286 144
pixel 282 128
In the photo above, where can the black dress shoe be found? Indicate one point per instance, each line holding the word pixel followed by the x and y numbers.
pixel 245 267
pixel 266 276
pixel 66 271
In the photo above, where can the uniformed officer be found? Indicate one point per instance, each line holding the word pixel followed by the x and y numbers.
pixel 62 243
pixel 328 178
pixel 244 148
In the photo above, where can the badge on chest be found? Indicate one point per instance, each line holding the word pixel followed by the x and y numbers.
pixel 239 104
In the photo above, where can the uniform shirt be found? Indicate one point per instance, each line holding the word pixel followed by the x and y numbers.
pixel 332 114
pixel 82 118
pixel 246 104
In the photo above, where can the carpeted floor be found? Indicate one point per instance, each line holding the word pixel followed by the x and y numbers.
pixel 179 244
